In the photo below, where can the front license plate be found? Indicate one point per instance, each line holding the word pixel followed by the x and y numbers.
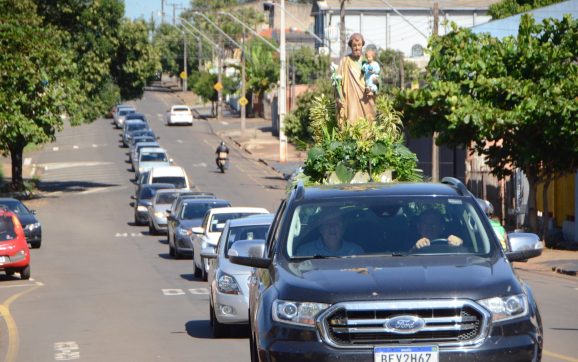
pixel 406 354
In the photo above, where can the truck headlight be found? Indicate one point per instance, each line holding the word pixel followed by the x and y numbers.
pixel 298 313
pixel 505 308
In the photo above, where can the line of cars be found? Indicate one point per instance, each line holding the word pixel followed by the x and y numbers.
pixel 198 225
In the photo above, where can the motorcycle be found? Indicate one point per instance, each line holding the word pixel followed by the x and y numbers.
pixel 223 161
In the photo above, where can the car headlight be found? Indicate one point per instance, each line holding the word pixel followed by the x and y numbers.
pixel 299 313
pixel 33 226
pixel 505 308
pixel 184 232
pixel 20 255
pixel 159 214
pixel 141 208
pixel 227 284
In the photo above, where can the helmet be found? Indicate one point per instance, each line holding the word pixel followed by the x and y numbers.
pixel 222 143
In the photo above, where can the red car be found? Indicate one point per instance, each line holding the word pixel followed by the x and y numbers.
pixel 14 252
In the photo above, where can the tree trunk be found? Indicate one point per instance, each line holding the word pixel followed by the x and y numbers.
pixel 342 33
pixel 16 151
pixel 545 215
pixel 532 221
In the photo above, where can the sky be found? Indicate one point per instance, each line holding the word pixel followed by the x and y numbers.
pixel 135 9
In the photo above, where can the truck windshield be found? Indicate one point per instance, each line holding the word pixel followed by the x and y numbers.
pixel 388 225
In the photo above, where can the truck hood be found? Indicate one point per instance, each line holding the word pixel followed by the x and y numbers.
pixel 385 278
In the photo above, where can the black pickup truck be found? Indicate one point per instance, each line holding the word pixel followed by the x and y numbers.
pixel 388 272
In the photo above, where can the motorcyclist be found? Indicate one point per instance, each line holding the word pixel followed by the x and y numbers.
pixel 222 150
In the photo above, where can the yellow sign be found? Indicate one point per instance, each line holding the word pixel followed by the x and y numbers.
pixel 183 75
pixel 218 86
pixel 243 101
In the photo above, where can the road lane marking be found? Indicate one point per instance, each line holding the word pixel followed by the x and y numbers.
pixel 126 235
pixel 55 149
pixel 180 141
pixel 201 164
pixel 66 351
pixel 172 292
pixel 75 147
pixel 225 123
pixel 559 356
pixel 12 336
pixel 199 291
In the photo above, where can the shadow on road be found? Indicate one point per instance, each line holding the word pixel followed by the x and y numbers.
pixel 202 329
pixel 71 186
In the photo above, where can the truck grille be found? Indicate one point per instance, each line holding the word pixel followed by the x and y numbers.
pixel 441 322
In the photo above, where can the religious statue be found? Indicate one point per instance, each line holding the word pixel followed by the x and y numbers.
pixel 353 99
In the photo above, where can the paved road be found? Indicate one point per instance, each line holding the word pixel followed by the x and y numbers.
pixel 105 290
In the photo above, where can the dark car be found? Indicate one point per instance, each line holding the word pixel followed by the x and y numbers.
pixel 188 214
pixel 143 200
pixel 30 224
pixel 131 126
pixel 383 292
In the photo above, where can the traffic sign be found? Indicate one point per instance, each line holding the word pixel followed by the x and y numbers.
pixel 218 86
pixel 243 101
pixel 183 75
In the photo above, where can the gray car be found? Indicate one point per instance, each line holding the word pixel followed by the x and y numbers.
pixel 158 210
pixel 229 283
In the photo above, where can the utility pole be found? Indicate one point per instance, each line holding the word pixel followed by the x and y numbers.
pixel 342 35
pixel 175 7
pixel 282 97
pixel 243 87
pixel 162 11
pixel 435 151
pixel 185 78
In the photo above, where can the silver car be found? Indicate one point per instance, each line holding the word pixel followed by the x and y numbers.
pixel 158 210
pixel 120 115
pixel 229 283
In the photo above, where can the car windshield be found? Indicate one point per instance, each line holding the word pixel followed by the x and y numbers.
pixel 166 197
pixel 180 109
pixel 153 157
pixel 124 112
pixel 15 206
pixel 6 228
pixel 388 225
pixel 247 232
pixel 197 210
pixel 178 181
pixel 135 126
pixel 219 220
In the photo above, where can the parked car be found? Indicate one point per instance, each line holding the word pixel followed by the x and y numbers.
pixel 208 233
pixel 228 282
pixel 120 115
pixel 137 116
pixel 27 218
pixel 180 114
pixel 346 273
pixel 188 194
pixel 132 126
pixel 175 175
pixel 135 149
pixel 158 210
pixel 144 199
pixel 188 215
pixel 151 157
pixel 14 252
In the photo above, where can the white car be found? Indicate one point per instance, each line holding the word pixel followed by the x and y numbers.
pixel 175 175
pixel 158 210
pixel 228 282
pixel 120 114
pixel 207 235
pixel 150 157
pixel 180 115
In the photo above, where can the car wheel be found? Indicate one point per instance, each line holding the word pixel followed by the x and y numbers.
pixel 220 330
pixel 177 252
pixel 204 275
pixel 25 273
pixel 253 348
pixel 171 250
pixel 36 245
pixel 152 229
pixel 198 271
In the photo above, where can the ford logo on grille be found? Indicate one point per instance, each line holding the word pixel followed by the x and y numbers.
pixel 405 324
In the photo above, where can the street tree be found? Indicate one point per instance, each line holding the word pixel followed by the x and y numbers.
pixel 262 70
pixel 39 87
pixel 514 101
pixel 506 8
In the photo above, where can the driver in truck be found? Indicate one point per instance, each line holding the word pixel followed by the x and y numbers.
pixel 431 226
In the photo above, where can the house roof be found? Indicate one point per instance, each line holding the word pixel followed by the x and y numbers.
pixel 509 26
pixel 406 4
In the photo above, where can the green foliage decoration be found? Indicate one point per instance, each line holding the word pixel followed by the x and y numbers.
pixel 370 147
